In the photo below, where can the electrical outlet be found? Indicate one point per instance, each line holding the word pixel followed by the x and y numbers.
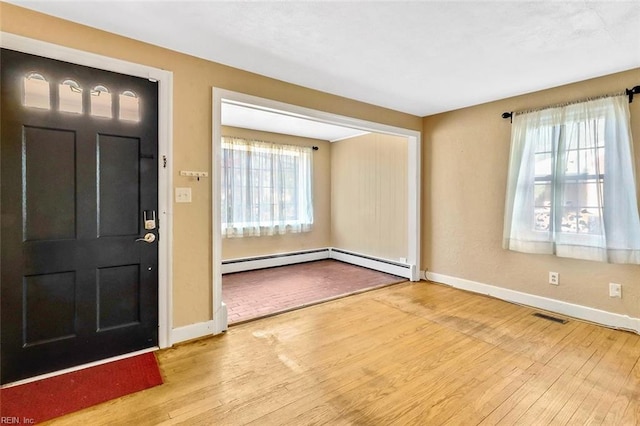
pixel 554 278
pixel 615 290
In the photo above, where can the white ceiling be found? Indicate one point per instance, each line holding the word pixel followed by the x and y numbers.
pixel 252 117
pixel 420 57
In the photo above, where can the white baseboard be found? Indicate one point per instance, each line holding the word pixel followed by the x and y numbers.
pixel 281 259
pixel 192 331
pixel 202 329
pixel 221 319
pixel 609 319
pixel 378 264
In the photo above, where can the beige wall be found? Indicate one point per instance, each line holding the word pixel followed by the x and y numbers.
pixel 369 195
pixel 193 79
pixel 319 236
pixel 465 156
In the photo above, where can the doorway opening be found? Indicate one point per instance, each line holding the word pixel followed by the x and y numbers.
pixel 295 117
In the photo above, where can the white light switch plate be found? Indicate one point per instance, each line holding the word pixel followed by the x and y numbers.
pixel 183 195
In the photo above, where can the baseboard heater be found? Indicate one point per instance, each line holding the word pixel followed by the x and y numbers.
pixel 376 263
pixel 281 259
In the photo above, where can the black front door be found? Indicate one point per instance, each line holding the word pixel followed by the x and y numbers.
pixel 79 177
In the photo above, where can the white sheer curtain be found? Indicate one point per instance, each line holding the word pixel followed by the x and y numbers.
pixel 572 187
pixel 266 188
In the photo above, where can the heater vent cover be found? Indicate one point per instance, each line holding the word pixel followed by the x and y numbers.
pixel 550 318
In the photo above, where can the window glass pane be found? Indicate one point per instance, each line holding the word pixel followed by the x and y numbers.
pixel 591 193
pixel 601 126
pixel 129 106
pixel 588 162
pixel 544 164
pixel 571 166
pixel 542 206
pixel 543 138
pixel 571 194
pixel 571 135
pixel 601 168
pixel 542 218
pixel 70 97
pixel 588 134
pixel 569 222
pixel 101 102
pixel 36 91
pixel 581 212
pixel 590 220
pixel 543 194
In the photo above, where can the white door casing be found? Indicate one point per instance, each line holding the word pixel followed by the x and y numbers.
pixel 165 150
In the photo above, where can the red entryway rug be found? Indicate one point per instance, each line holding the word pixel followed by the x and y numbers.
pixel 56 396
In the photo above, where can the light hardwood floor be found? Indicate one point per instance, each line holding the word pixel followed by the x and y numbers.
pixel 413 353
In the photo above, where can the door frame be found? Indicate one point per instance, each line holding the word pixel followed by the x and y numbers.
pixel 414 162
pixel 165 151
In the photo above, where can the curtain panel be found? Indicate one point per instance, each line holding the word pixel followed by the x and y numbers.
pixel 571 187
pixel 266 188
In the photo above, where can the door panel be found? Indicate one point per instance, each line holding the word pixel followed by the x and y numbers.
pixel 118 199
pixel 54 294
pixel 49 197
pixel 118 296
pixel 78 169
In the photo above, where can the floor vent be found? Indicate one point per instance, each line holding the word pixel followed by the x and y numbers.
pixel 550 318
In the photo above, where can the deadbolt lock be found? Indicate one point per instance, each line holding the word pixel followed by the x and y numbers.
pixel 149 222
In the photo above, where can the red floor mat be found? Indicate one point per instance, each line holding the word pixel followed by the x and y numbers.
pixel 56 396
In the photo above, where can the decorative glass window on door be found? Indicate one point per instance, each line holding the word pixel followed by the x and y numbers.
pixel 129 106
pixel 37 93
pixel 70 97
pixel 101 102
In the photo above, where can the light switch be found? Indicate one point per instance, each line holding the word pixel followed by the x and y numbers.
pixel 183 195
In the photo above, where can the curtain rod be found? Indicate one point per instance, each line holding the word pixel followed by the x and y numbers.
pixel 629 92
pixel 315 148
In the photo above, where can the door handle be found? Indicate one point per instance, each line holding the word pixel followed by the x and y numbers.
pixel 148 238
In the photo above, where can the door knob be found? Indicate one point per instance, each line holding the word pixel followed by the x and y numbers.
pixel 149 237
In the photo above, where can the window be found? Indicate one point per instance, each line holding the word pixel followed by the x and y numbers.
pixel 101 102
pixel 129 106
pixel 581 197
pixel 37 94
pixel 36 91
pixel 571 189
pixel 266 188
pixel 70 97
